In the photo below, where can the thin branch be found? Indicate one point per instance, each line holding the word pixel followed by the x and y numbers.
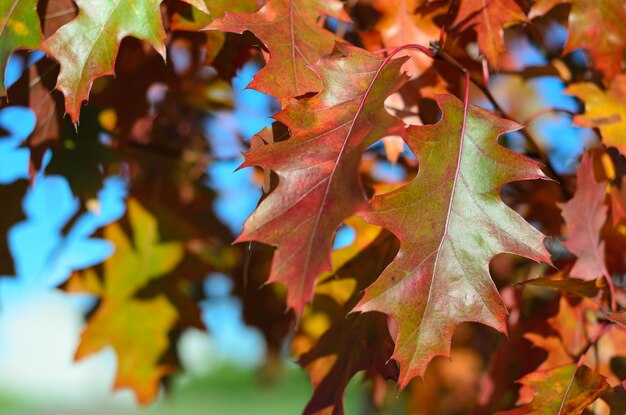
pixel 544 111
pixel 592 343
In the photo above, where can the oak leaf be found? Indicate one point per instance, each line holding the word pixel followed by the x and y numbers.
pixel 451 223
pixel 585 215
pixel 605 110
pixel 574 327
pixel 551 385
pixel 87 47
pixel 404 22
pixel 618 203
pixel 489 18
pixel 19 29
pixel 597 26
pixel 136 328
pixel 354 342
pixel 318 167
pixel 290 31
pixel 199 19
pixel 560 281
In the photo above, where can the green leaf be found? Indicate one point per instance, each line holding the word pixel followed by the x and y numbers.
pixel 451 223
pixel 19 29
pixel 136 328
pixel 87 46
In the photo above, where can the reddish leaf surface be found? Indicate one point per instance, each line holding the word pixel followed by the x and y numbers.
pixel 618 203
pixel 605 110
pixel 575 325
pixel 318 167
pixel 550 387
pixel 451 222
pixel 19 29
pixel 489 18
pixel 597 26
pixel 290 30
pixel 87 47
pixel 585 215
pixel 404 22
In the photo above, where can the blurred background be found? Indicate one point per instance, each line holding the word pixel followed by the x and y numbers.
pixel 184 136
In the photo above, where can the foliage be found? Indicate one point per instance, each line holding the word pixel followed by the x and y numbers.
pixel 485 221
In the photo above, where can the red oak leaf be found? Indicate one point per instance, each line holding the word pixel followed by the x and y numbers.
pixel 618 203
pixel 318 167
pixel 597 26
pixel 585 215
pixel 404 22
pixel 19 29
pixel 551 385
pixel 450 222
pixel 290 31
pixel 489 18
pixel 87 47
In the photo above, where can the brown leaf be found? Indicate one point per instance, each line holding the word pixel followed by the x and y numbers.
pixel 489 18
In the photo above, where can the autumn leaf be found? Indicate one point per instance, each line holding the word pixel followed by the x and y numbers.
pixel 352 343
pixel 318 167
pixel 564 283
pixel 199 19
pixel 489 18
pixel 290 31
pixel 597 26
pixel 87 47
pixel 616 401
pixel 405 22
pixel 359 342
pixel 213 9
pixel 19 29
pixel 451 222
pixel 550 386
pixel 574 327
pixel 618 203
pixel 136 328
pixel 585 215
pixel 605 110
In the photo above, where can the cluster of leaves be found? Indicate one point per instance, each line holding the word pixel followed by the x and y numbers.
pixel 425 259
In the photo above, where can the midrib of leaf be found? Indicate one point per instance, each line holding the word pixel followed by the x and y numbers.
pixel 457 177
pixel 93 44
pixel 293 46
pixel 332 173
pixel 6 21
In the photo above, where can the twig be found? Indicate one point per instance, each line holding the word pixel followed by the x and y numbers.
pixel 593 341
